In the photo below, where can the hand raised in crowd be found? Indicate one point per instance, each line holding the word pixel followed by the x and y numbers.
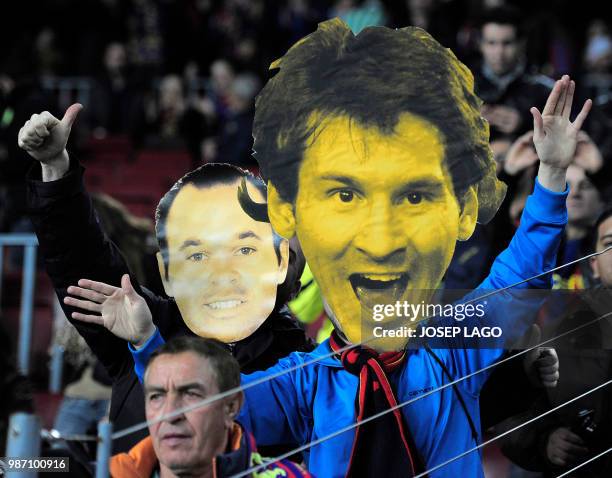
pixel 545 367
pixel 521 154
pixel 122 311
pixel 564 447
pixel 505 118
pixel 542 363
pixel 44 137
pixel 555 136
pixel 588 156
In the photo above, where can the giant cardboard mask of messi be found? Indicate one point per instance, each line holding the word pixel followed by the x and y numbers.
pixel 221 266
pixel 378 159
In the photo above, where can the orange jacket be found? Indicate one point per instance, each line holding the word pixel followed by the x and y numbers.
pixel 141 461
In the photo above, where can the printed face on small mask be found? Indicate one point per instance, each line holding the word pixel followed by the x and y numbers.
pixel 223 269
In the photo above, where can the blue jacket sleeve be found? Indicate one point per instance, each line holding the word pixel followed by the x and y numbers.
pixel 274 409
pixel 534 247
pixel 141 356
pixel 533 250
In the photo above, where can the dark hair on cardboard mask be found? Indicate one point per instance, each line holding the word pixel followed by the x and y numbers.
pixel 373 78
pixel 259 212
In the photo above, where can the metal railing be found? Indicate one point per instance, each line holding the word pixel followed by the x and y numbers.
pixel 26 315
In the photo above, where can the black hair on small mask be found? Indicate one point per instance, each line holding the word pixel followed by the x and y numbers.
pixel 255 210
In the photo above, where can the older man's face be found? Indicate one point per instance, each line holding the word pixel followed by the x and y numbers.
pixel 376 216
pixel 186 443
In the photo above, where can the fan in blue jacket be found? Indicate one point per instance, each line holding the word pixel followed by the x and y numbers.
pixel 318 399
pixel 377 159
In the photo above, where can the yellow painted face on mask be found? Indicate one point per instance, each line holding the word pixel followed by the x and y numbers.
pixel 376 216
pixel 223 269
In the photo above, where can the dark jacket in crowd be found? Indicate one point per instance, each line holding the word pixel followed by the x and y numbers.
pixel 585 362
pixel 74 247
pixel 520 91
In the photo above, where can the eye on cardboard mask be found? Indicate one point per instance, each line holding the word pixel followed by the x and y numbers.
pixel 223 267
pixel 378 159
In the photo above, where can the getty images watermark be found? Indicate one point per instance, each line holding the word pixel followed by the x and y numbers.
pixel 417 312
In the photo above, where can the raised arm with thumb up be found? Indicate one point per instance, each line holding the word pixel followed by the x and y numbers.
pixel 44 137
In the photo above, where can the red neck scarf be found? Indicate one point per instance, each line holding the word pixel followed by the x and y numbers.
pixel 382 446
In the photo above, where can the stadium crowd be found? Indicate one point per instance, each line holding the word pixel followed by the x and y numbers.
pixel 168 86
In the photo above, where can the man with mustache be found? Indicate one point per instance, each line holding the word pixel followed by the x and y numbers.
pixel 203 442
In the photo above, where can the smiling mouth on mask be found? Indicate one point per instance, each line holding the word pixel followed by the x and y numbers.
pixel 373 289
pixel 225 304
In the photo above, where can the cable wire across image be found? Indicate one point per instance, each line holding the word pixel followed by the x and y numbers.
pixel 435 390
pixel 212 399
pixel 584 463
pixel 219 396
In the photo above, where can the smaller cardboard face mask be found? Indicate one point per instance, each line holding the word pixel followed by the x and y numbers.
pixel 223 266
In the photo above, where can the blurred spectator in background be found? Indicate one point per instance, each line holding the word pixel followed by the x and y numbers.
pixel 164 114
pixel 214 124
pixel 199 117
pixel 116 101
pixel 597 60
pixel 207 107
pixel 520 163
pixel 584 202
pixel 508 91
pixel 234 30
pixel 145 42
pixel 235 137
pixel 296 19
pixel 48 56
pixel 502 81
pixel 597 74
pixel 221 80
pixel 359 14
pixel 441 19
pixel 599 130
pixel 580 429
